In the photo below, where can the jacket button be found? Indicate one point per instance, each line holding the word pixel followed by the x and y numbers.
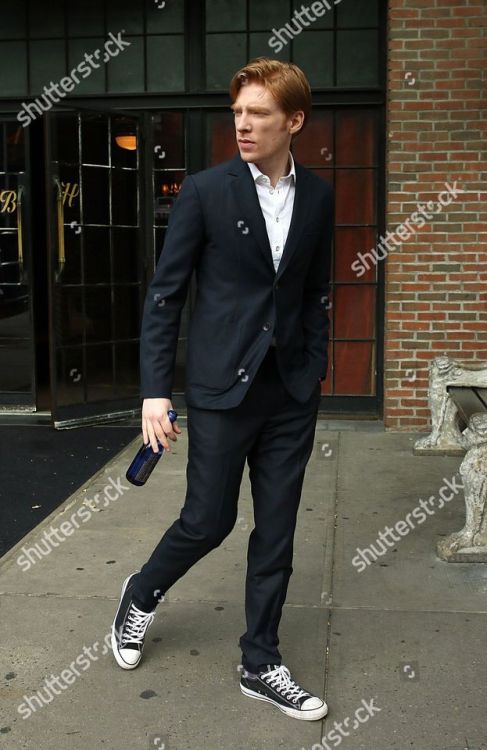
pixel 266 326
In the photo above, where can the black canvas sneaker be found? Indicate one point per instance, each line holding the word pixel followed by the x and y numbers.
pixel 129 627
pixel 276 686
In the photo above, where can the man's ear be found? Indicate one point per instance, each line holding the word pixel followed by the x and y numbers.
pixel 295 134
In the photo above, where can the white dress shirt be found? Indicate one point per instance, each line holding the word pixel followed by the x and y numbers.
pixel 277 206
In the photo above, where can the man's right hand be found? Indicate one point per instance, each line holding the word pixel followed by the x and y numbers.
pixel 156 423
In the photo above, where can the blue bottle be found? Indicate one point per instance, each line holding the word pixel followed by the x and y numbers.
pixel 145 459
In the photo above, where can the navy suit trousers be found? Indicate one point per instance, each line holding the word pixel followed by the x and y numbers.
pixel 275 433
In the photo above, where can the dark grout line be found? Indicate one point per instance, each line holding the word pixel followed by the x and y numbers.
pixel 332 572
pixel 331 607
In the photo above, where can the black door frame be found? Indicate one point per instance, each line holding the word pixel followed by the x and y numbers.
pixel 100 411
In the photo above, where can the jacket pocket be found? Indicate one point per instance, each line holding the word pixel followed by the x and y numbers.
pixel 211 354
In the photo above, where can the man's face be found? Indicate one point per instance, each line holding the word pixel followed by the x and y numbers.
pixel 263 130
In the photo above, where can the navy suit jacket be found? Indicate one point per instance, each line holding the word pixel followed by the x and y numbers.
pixel 216 227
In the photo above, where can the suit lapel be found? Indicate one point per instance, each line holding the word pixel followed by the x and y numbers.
pixel 245 198
pixel 241 183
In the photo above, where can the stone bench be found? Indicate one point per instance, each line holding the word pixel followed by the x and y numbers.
pixel 458 402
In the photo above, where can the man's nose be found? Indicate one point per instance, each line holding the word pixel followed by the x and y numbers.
pixel 242 124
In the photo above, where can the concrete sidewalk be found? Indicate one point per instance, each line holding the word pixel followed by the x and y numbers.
pixel 407 633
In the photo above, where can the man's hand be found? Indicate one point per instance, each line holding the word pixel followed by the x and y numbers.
pixel 156 423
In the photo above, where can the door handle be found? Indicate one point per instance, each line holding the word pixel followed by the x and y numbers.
pixel 61 253
pixel 20 241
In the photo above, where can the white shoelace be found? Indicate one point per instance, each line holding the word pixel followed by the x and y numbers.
pixel 136 625
pixel 280 679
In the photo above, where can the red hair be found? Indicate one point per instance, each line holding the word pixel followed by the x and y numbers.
pixel 285 81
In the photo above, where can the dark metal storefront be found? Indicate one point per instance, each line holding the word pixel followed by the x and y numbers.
pixel 72 266
pixel 86 192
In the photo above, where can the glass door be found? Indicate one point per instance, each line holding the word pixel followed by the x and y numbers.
pixel 17 356
pixel 96 264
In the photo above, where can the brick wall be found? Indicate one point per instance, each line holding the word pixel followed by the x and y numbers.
pixel 436 278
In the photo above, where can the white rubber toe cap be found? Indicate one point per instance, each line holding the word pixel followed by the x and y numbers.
pixel 312 703
pixel 130 656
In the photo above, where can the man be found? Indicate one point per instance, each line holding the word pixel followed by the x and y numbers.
pixel 257 229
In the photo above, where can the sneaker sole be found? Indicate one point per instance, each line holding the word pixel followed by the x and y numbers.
pixel 311 715
pixel 118 658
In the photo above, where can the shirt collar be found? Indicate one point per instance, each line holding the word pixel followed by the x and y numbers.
pixel 256 173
